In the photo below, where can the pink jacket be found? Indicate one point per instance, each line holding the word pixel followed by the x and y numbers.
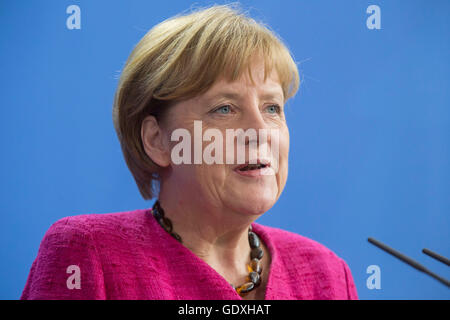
pixel 127 255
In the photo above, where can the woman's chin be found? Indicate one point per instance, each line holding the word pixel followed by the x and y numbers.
pixel 253 203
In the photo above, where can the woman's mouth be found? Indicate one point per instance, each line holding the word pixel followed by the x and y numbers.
pixel 255 170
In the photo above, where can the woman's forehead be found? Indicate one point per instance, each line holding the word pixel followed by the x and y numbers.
pixel 269 89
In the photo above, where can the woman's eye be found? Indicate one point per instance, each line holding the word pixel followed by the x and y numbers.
pixel 223 109
pixel 273 109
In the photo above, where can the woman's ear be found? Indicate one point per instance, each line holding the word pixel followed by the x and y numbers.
pixel 153 142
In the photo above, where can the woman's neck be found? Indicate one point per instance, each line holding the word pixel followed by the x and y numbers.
pixel 217 236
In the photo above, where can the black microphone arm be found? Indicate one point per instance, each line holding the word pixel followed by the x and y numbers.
pixel 436 256
pixel 408 260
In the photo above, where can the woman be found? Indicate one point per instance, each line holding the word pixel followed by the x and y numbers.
pixel 218 69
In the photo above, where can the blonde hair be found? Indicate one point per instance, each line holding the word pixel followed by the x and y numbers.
pixel 182 57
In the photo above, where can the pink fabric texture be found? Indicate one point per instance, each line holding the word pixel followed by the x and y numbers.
pixel 127 255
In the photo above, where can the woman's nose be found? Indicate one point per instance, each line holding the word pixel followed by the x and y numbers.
pixel 253 119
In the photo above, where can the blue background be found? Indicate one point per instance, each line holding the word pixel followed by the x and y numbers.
pixel 370 128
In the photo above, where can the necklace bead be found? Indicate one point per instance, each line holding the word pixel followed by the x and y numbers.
pixel 255 265
pixel 253 240
pixel 245 288
pixel 256 253
pixel 255 278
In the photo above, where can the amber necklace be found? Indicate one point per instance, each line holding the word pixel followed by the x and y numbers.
pixel 253 279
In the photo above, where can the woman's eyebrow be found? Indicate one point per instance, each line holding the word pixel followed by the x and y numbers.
pixel 236 95
pixel 225 94
pixel 271 95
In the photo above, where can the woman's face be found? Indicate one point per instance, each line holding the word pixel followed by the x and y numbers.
pixel 228 185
